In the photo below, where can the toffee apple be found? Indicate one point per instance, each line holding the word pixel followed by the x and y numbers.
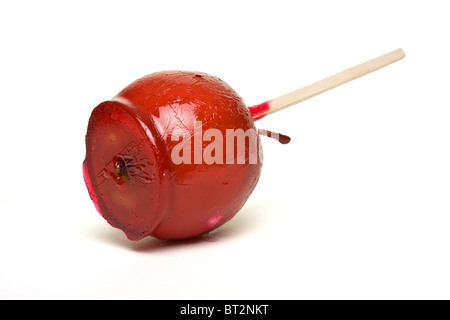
pixel 129 167
pixel 176 154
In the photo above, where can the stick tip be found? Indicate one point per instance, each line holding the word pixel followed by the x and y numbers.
pixel 400 53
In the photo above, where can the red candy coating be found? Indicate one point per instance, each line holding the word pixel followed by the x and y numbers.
pixel 130 174
pixel 259 111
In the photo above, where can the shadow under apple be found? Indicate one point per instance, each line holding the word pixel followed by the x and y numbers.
pixel 247 220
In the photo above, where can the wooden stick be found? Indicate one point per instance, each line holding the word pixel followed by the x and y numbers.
pixel 294 97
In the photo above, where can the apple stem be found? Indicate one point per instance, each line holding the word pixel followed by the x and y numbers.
pixel 261 110
pixel 281 138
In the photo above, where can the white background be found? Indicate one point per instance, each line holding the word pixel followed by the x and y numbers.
pixel 357 206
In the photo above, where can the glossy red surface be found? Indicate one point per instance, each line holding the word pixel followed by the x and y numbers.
pixel 129 171
pixel 259 111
